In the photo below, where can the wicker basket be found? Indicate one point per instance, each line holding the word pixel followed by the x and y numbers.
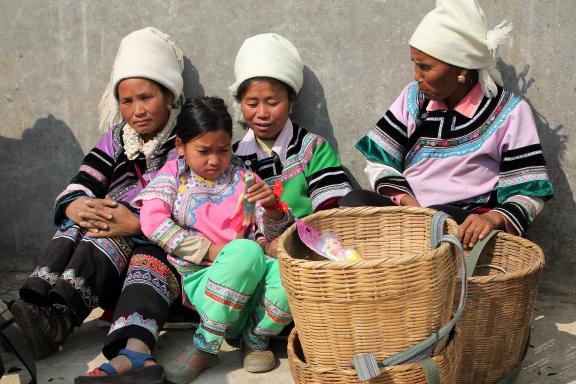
pixel 447 361
pixel 496 322
pixel 397 297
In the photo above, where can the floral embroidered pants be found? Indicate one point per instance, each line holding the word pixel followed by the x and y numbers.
pixel 79 271
pixel 239 294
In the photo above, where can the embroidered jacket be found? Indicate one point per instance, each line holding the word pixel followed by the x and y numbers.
pixel 310 171
pixel 484 155
pixel 184 213
pixel 107 171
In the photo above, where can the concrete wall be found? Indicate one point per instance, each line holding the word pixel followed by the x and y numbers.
pixel 55 59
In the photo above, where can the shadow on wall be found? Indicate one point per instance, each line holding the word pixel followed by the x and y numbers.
pixel 192 86
pixel 311 112
pixel 34 171
pixel 553 229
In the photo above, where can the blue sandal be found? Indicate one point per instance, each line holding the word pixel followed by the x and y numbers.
pixel 153 374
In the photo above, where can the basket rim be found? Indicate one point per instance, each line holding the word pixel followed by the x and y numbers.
pixel 362 211
pixel 520 273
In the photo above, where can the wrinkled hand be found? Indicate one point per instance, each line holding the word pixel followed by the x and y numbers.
pixel 409 201
pixel 476 227
pixel 103 217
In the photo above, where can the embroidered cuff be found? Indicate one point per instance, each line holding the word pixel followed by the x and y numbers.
pixel 274 228
pixel 517 220
pixel 169 235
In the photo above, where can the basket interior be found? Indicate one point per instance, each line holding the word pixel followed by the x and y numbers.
pixel 506 254
pixel 383 234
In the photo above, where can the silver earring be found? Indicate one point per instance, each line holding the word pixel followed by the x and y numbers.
pixel 461 79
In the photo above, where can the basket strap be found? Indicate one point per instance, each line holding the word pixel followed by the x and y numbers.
pixel 474 255
pixel 431 371
pixel 366 365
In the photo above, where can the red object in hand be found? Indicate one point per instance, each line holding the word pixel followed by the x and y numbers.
pixel 278 190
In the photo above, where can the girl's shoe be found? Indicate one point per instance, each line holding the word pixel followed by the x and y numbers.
pixel 258 361
pixel 180 370
pixel 140 374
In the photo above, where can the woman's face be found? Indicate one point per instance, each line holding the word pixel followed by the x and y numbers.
pixel 265 107
pixel 436 79
pixel 144 106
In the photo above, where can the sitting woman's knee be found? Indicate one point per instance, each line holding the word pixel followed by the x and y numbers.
pixel 246 255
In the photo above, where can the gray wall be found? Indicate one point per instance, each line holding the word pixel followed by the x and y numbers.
pixel 55 59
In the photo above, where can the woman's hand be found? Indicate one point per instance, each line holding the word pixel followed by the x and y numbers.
pixel 83 212
pixel 103 217
pixel 262 192
pixel 476 227
pixel 409 201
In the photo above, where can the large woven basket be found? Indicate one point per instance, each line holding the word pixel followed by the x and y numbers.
pixel 397 297
pixel 496 322
pixel 447 361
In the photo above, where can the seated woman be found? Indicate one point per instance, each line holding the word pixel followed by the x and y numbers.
pixel 269 75
pixel 454 139
pixel 86 262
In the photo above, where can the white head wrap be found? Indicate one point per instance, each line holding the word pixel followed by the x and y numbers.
pixel 267 55
pixel 456 32
pixel 147 53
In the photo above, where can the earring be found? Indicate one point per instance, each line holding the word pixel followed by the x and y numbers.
pixel 461 79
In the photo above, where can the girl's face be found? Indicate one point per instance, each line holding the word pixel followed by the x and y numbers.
pixel 265 107
pixel 144 106
pixel 209 154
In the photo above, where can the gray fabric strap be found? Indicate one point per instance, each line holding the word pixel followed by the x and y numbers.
pixel 365 364
pixel 473 257
pixel 431 371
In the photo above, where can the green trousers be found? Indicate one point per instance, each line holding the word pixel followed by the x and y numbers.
pixel 240 294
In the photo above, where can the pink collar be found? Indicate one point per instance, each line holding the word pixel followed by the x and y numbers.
pixel 467 106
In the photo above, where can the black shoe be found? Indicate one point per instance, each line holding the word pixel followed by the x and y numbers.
pixel 45 328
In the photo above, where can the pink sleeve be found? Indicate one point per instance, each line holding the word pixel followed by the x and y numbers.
pixel 153 213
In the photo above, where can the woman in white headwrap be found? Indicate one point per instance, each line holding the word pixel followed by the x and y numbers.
pixel 99 240
pixel 455 139
pixel 269 75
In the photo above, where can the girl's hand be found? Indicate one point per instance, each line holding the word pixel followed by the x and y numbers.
pixel 477 227
pixel 213 251
pixel 262 192
pixel 409 201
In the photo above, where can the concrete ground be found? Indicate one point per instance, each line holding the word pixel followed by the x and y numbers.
pixel 551 358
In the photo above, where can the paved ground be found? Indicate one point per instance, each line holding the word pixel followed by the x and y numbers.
pixel 551 358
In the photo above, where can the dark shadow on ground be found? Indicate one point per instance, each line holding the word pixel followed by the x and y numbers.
pixel 554 228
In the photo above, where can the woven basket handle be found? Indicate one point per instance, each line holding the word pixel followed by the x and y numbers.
pixel 472 259
pixel 366 365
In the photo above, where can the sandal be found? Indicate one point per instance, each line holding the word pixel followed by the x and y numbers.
pixel 106 373
pixel 179 371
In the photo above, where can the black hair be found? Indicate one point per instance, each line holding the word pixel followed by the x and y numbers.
pixel 246 83
pixel 201 115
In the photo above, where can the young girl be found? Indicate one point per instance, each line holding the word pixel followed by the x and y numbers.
pixel 187 210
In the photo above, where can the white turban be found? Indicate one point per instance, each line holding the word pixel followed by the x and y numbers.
pixel 268 55
pixel 147 53
pixel 456 32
